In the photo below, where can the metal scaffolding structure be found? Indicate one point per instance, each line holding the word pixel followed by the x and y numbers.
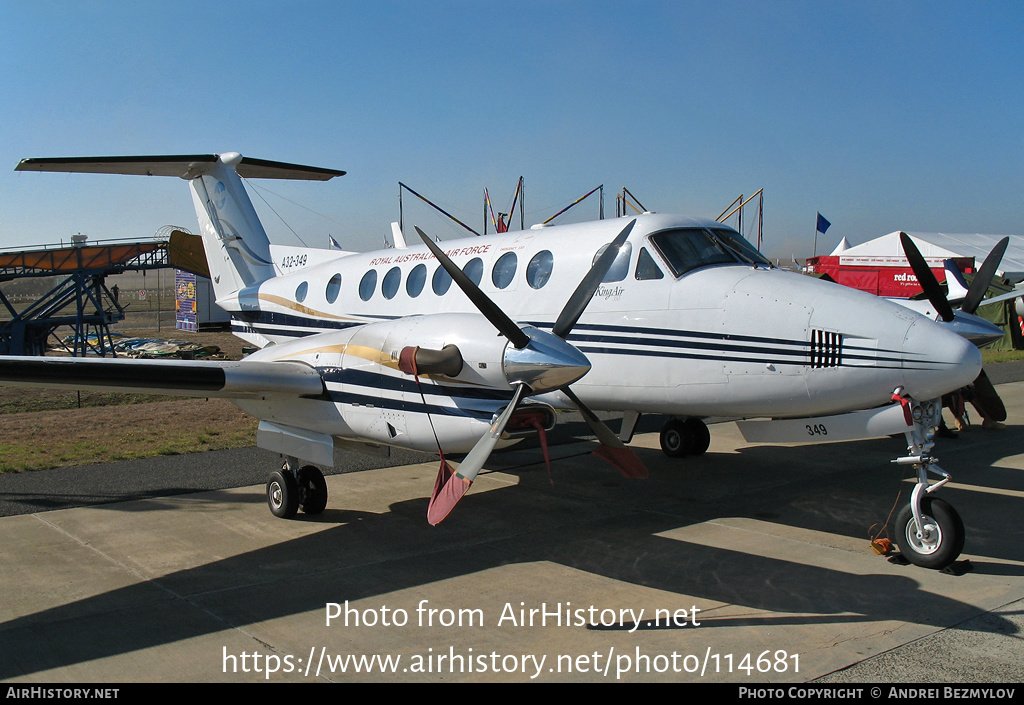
pixel 80 300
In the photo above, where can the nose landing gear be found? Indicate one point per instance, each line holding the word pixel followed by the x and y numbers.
pixel 928 531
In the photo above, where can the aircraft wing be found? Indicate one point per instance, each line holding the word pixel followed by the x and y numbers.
pixel 228 379
pixel 1002 297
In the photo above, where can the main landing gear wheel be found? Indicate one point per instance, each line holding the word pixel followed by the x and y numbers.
pixel 941 540
pixel 283 494
pixel 312 488
pixel 701 436
pixel 676 438
pixel 680 438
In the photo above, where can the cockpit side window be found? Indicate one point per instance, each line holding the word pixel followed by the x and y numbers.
pixel 646 267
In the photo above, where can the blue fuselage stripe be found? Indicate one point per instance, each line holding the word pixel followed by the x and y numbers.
pixel 622 340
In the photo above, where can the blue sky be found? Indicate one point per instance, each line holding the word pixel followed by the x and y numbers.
pixel 881 115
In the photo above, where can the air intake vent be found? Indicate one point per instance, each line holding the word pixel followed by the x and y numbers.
pixel 826 349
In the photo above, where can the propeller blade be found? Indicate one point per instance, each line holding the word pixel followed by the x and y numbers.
pixel 985 395
pixel 505 325
pixel 450 486
pixel 577 303
pixel 983 279
pixel 612 449
pixel 926 279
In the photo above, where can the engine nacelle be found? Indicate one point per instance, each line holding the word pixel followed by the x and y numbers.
pixel 479 346
pixel 465 347
pixel 412 380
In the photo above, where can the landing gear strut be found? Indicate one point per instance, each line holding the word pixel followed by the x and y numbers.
pixel 682 437
pixel 928 531
pixel 289 490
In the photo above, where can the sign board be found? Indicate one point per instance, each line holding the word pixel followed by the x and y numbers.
pixel 185 301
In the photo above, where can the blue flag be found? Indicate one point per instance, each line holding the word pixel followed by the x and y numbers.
pixel 822 224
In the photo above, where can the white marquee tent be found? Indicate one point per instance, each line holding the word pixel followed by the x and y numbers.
pixel 939 246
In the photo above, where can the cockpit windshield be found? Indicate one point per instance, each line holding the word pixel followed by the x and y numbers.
pixel 689 248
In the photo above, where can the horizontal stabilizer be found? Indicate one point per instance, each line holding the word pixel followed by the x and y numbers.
pixel 228 379
pixel 185 167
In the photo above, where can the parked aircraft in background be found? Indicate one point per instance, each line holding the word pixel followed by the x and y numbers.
pixel 657 314
pixel 938 305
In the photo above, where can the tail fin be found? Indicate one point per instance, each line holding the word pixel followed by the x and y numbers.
pixel 397 238
pixel 237 247
pixel 955 283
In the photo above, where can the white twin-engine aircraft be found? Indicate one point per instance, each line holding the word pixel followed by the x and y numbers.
pixel 659 314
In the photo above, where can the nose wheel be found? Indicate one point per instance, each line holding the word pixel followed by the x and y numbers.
pixel 939 538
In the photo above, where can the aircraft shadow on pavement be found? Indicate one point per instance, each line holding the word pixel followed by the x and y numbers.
pixel 588 520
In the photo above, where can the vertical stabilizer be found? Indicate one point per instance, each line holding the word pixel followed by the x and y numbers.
pixel 237 246
pixel 955 283
pixel 397 238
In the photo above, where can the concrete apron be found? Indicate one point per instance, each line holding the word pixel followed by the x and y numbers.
pixel 750 564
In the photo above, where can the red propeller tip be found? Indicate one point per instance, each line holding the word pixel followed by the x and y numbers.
pixel 624 460
pixel 449 488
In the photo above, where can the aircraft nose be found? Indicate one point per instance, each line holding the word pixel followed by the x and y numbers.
pixel 937 361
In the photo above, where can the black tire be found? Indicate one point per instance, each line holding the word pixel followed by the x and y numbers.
pixel 947 534
pixel 282 494
pixel 676 439
pixel 701 436
pixel 312 490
